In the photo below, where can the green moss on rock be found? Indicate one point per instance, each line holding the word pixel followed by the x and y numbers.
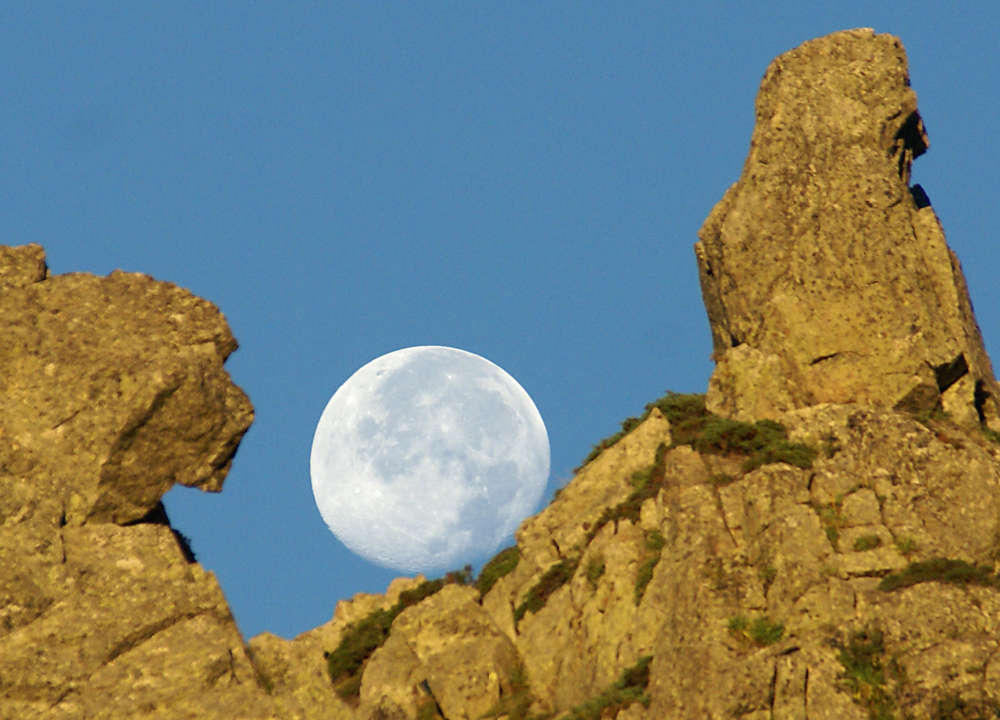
pixel 761 631
pixel 654 545
pixel 867 672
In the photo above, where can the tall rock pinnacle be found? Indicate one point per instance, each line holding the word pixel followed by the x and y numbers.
pixel 825 275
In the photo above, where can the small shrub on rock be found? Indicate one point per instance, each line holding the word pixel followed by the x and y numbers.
pixel 867 672
pixel 654 544
pixel 906 545
pixel 764 442
pixel 553 579
pixel 363 637
pixel 867 542
pixel 629 688
pixel 503 563
pixel 595 569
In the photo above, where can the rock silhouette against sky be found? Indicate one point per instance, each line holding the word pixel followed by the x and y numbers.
pixel 713 576
pixel 827 277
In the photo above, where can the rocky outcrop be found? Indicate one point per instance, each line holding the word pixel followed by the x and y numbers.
pixel 831 553
pixel 827 277
pixel 119 381
pixel 112 390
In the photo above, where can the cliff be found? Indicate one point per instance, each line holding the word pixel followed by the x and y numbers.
pixel 818 536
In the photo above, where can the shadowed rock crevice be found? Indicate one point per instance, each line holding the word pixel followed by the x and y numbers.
pixel 947 374
pixel 920 198
pixel 158 516
pixel 979 400
pixel 910 143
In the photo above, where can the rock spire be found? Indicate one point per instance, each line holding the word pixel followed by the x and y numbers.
pixel 826 276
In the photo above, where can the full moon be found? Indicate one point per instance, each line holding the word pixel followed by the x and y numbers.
pixel 428 457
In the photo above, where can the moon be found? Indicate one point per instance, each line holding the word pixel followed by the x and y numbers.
pixel 428 457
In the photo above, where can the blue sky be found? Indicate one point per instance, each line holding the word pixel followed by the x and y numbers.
pixel 521 180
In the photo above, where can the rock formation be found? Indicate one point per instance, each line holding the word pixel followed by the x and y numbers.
pixel 819 538
pixel 825 275
pixel 113 390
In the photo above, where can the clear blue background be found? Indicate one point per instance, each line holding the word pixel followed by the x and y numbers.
pixel 523 180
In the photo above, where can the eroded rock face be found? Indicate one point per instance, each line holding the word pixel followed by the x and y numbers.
pixel 825 276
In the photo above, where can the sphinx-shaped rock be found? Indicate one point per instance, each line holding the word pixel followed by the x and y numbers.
pixel 827 277
pixel 113 388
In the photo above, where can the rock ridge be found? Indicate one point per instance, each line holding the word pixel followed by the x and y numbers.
pixel 818 536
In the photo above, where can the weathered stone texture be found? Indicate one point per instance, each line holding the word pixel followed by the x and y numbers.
pixel 826 279
pixel 764 545
pixel 545 537
pixel 20 266
pixel 450 643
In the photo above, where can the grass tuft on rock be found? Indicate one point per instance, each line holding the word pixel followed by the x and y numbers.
pixel 832 520
pixel 944 570
pixel 629 688
pixel 867 542
pixel 761 631
pixel 866 671
pixel 905 544
pixel 654 545
pixel 763 442
pixel 595 569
